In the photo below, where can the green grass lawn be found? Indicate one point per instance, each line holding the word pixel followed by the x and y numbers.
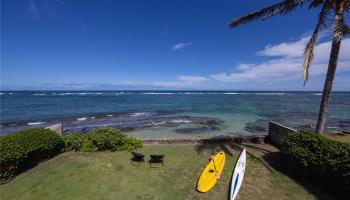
pixel 339 138
pixel 110 175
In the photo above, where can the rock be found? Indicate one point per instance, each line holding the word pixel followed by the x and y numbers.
pixel 309 126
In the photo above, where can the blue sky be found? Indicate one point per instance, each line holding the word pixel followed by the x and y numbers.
pixel 154 44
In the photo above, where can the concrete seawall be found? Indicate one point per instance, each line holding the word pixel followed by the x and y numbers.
pixel 57 128
pixel 278 133
pixel 213 140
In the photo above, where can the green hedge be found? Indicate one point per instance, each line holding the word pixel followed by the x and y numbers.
pixel 101 139
pixel 321 160
pixel 24 149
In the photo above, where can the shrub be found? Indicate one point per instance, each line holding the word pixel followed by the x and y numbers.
pixel 101 139
pixel 88 146
pixel 24 149
pixel 74 141
pixel 321 160
pixel 132 143
pixel 108 139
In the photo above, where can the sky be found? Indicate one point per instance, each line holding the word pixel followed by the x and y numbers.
pixel 159 45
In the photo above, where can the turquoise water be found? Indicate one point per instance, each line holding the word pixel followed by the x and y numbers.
pixel 170 114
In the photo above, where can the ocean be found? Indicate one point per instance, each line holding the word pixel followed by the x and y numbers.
pixel 171 114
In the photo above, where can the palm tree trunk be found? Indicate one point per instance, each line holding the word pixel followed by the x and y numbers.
pixel 332 66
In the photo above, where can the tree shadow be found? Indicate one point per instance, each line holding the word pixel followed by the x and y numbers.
pixel 277 160
pixel 215 144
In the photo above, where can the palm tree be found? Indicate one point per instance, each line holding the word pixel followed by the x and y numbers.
pixel 337 9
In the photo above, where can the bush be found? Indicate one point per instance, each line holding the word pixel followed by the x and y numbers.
pixel 74 141
pixel 24 149
pixel 108 139
pixel 101 139
pixel 321 160
pixel 88 146
pixel 132 143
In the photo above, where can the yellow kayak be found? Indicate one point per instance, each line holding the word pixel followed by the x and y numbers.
pixel 211 173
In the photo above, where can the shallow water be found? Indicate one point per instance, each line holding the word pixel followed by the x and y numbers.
pixel 171 114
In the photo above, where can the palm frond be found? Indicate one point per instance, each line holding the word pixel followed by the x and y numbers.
pixel 315 3
pixel 309 50
pixel 281 8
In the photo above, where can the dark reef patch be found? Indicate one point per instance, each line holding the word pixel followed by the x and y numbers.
pixel 259 126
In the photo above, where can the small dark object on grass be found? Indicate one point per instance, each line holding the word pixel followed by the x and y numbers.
pixel 156 159
pixel 137 157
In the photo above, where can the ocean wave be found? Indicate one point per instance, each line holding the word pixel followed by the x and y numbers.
pixel 35 123
pixel 109 115
pixel 317 94
pixel 158 123
pixel 81 119
pixel 39 94
pixel 157 93
pixel 269 93
pixel 2 93
pixel 64 94
pixel 230 93
pixel 194 93
pixel 139 114
pixel 180 121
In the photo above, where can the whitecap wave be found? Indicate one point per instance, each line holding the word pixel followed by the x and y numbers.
pixel 39 94
pixel 139 114
pixel 269 93
pixel 64 94
pixel 230 93
pixel 158 123
pixel 81 119
pixel 35 123
pixel 157 93
pixel 109 115
pixel 180 121
pixel 317 94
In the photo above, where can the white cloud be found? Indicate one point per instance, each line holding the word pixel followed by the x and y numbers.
pixel 183 82
pixel 289 63
pixel 192 79
pixel 181 45
pixel 285 49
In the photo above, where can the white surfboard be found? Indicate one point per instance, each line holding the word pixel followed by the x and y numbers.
pixel 237 176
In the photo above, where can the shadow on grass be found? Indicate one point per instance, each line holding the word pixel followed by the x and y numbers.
pixel 136 162
pixel 277 161
pixel 215 144
pixel 273 161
